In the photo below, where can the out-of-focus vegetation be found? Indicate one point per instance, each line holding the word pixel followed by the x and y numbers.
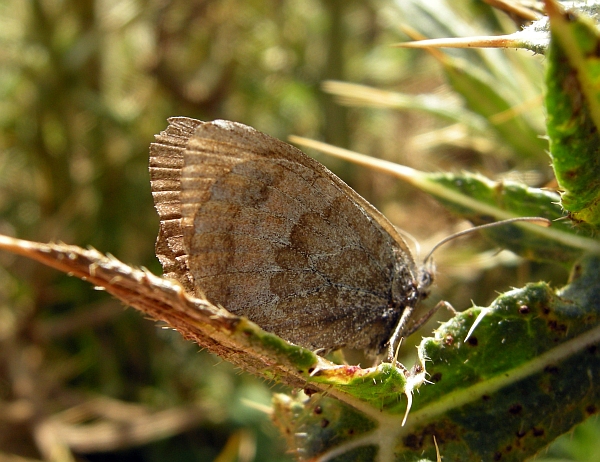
pixel 85 85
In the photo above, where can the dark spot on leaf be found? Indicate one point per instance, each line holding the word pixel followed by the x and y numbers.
pixel 538 431
pixel 473 341
pixel 497 456
pixel 545 310
pixel 551 370
pixel 571 174
pixel 521 433
pixel 515 409
pixel 310 391
pixel 413 442
pixel 324 423
pixel 555 326
pixel 486 397
pixel 508 448
pixel 318 410
pixel 591 409
pixel 593 349
pixel 449 340
pixel 524 309
pixel 351 431
pixel 435 378
pixel 311 370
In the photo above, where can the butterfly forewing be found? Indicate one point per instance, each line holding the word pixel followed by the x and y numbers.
pixel 256 226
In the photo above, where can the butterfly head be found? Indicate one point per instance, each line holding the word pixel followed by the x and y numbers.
pixel 425 277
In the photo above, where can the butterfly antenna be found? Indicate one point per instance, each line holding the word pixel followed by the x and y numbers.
pixel 536 220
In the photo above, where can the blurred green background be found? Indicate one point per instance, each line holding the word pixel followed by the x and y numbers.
pixel 86 84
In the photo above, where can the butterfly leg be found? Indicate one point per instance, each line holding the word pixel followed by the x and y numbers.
pixel 404 329
pixel 422 320
pixel 399 334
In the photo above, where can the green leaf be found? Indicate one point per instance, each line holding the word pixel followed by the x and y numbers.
pixel 490 83
pixel 481 200
pixel 485 96
pixel 504 381
pixel 573 103
pixel 478 366
pixel 443 107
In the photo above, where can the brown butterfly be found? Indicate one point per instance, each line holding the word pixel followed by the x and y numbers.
pixel 256 226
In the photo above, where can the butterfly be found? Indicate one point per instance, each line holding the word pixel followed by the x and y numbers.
pixel 254 225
